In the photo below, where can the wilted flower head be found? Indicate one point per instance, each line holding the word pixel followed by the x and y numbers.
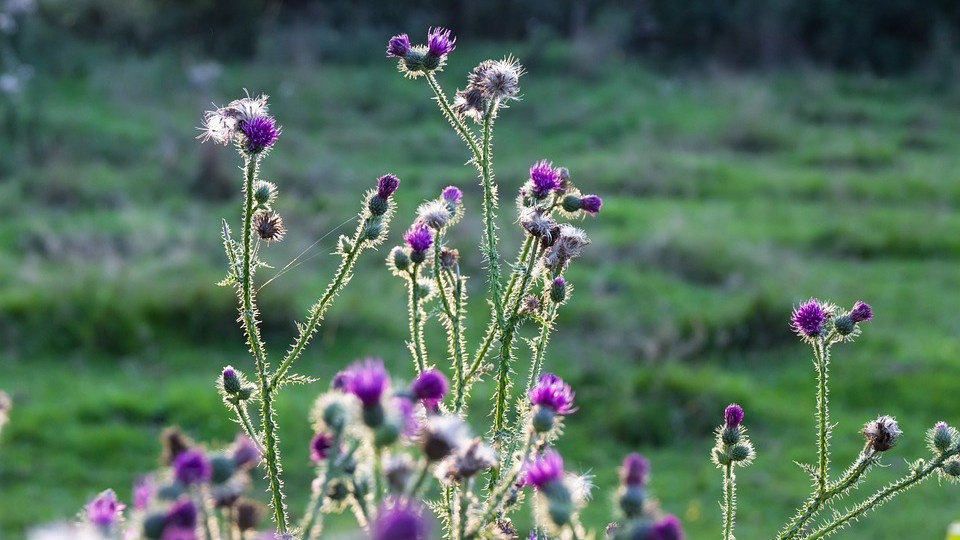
pixel 468 460
pixel 399 519
pixel 321 443
pixel 537 221
pixel 634 470
pixel 469 102
pixel 387 184
pixel 544 178
pixel 430 387
pixel 449 257
pixel 443 435
pixel 543 470
pixel 398 46
pixel 497 79
pixel 192 467
pixel 268 226
pixel 367 379
pixel 733 415
pixel 434 214
pixel 569 245
pixel 244 119
pixel 551 391
pixel 861 312
pixel 668 528
pixel 104 509
pixel 440 41
pixel 882 433
pixel 418 237
pixel 807 320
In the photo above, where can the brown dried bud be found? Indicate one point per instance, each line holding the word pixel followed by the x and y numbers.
pixel 269 226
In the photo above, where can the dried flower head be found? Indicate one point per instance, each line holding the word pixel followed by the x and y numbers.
pixel 882 433
pixel 449 257
pixel 537 221
pixel 497 79
pixel 807 319
pixel 544 178
pixel 430 387
pixel 434 214
pixel 104 509
pixel 468 460
pixel 226 124
pixel 440 42
pixel 268 226
pixel 543 470
pixel 552 392
pixel 418 237
pixel 530 304
pixel 398 46
pixel 733 415
pixel 469 103
pixel 399 519
pixel 443 435
pixel 569 245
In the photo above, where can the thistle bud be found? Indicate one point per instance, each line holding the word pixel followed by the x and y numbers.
pixel 730 435
pixel 334 415
pixel 399 259
pixel 844 325
pixel 378 205
pixel 246 391
pixel 449 257
pixel 861 312
pixel 386 434
pixel 230 380
pixel 733 415
pixel 264 194
pixel 571 203
pixel 558 290
pixel 741 452
pixel 952 468
pixel 942 437
pixel 633 474
pixel 543 419
pixel 373 228
pixel 153 526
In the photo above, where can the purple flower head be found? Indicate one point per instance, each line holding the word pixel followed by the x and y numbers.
pixel 179 533
pixel 861 312
pixel 451 194
pixel 635 469
pixel 559 282
pixel 143 489
pixel 104 509
pixel 591 204
pixel 808 319
pixel 368 380
pixel 386 185
pixel 261 133
pixel 430 387
pixel 192 467
pixel 399 519
pixel 182 513
pixel 733 415
pixel 667 528
pixel 419 237
pixel 244 451
pixel 398 46
pixel 941 425
pixel 340 380
pixel 544 177
pixel 321 443
pixel 551 391
pixel 543 470
pixel 440 42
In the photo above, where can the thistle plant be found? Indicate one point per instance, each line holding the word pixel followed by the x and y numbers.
pixel 406 458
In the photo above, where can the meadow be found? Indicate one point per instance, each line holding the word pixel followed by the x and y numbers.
pixel 728 198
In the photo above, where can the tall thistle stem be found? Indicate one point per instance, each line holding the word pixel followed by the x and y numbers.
pixel 416 322
pixel 729 501
pixel 822 353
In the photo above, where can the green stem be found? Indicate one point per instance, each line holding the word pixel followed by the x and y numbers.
pixel 416 325
pixel 454 120
pixel 244 418
pixel 499 493
pixel 823 414
pixel 454 321
pixel 489 215
pixel 421 477
pixel 463 493
pixel 541 345
pixel 729 501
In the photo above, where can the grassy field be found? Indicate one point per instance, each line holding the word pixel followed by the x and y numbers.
pixel 727 198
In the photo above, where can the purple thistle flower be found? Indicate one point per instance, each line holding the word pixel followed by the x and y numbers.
pixel 452 194
pixel 430 387
pixel 544 177
pixel 440 42
pixel 543 470
pixel 244 451
pixel 591 204
pixel 319 445
pixel 398 46
pixel 261 133
pixel 808 319
pixel 418 237
pixel 386 185
pixel 551 391
pixel 635 469
pixel 143 489
pixel 399 519
pixel 368 380
pixel 182 513
pixel 340 380
pixel 192 467
pixel 668 528
pixel 861 312
pixel 733 415
pixel 104 509
pixel 941 425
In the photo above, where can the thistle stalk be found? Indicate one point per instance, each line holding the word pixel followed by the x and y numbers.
pixel 729 500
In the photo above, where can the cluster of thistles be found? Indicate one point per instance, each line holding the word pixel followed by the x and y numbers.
pixel 245 122
pixel 416 60
pixel 732 446
pixel 816 319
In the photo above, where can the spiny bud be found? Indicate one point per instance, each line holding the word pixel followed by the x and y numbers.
pixel 264 194
pixel 543 418
pixel 882 433
pixel 943 437
pixel 268 226
pixel 844 325
pixel 222 466
pixel 571 203
pixel 334 415
pixel 558 290
pixel 720 457
pixel 231 381
pixel 530 304
pixel 400 259
pixel 246 391
pixel 153 526
pixel 741 452
pixel 373 228
pixel 952 468
pixel 730 435
pixel 378 205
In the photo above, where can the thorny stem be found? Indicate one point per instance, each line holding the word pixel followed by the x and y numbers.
pixel 822 354
pixel 498 495
pixel 454 120
pixel 334 469
pixel 271 451
pixel 462 386
pixel 729 500
pixel 454 320
pixel 421 477
pixel 541 344
pixel 489 216
pixel 244 417
pixel 463 493
pixel 416 325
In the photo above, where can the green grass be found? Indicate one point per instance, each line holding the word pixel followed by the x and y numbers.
pixel 728 198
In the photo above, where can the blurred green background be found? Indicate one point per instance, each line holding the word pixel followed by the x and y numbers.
pixel 750 154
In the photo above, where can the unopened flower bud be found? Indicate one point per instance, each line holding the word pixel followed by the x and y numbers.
pixel 861 312
pixel 443 435
pixel 264 194
pixel 631 501
pixel 399 259
pixel 543 419
pixel 741 452
pixel 246 391
pixel 386 434
pixel 222 467
pixel 248 514
pixel 153 526
pixel 338 491
pixel 373 415
pixel 231 381
pixel 558 290
pixel 844 325
pixel 378 205
pixel 944 437
pixel 571 203
pixel 730 435
pixel 559 502
pixel 334 415
pixel 373 228
pixel 733 415
pixel 720 456
pixel 952 468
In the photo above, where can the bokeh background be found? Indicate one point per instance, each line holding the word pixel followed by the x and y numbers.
pixel 750 154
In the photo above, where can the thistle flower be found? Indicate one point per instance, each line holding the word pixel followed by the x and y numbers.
pixel 881 433
pixel 498 79
pixel 244 452
pixel 733 415
pixel 430 387
pixel 544 178
pixel 192 467
pixel 634 470
pixel 543 470
pixel 143 490
pixel 104 510
pixel 418 237
pixel 807 320
pixel 366 379
pixel 321 443
pixel 440 42
pixel 387 184
pixel 261 132
pixel 552 392
pixel 398 46
pixel 434 214
pixel 230 380
pixel 668 528
pixel 451 194
pixel 449 257
pixel 591 204
pixel 558 289
pixel 268 226
pixel 443 435
pixel 399 519
pixel 861 312
pixel 182 513
pixel 942 437
pixel 537 221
